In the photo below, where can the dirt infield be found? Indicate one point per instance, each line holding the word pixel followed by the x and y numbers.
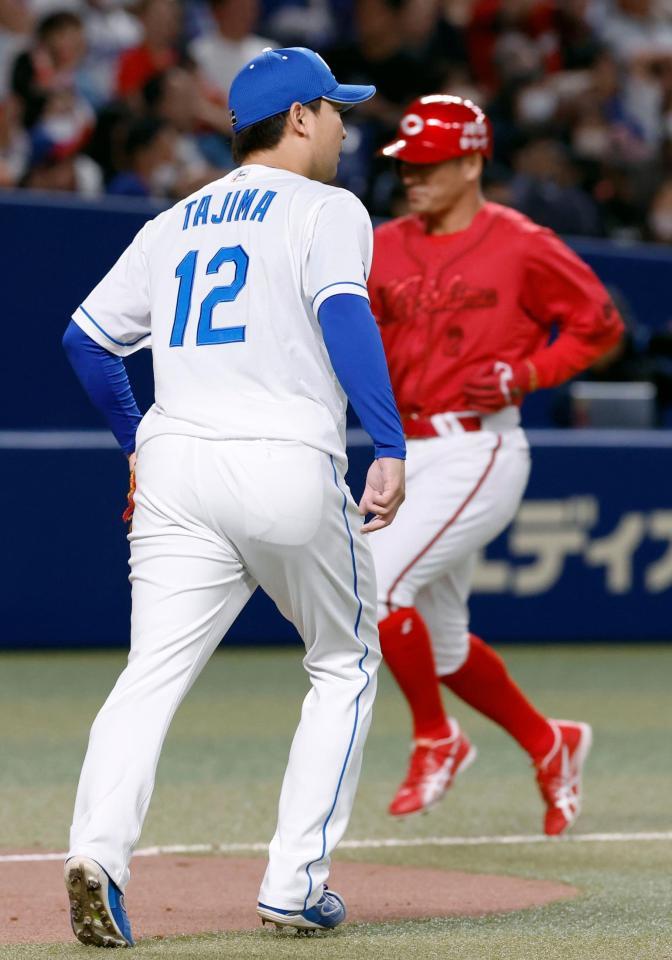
pixel 168 896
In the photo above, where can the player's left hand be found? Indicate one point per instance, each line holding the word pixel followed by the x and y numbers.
pixel 499 385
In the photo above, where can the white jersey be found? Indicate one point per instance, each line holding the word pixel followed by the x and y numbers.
pixel 226 287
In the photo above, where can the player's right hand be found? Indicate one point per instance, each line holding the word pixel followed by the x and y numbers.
pixel 384 492
pixel 499 385
pixel 127 515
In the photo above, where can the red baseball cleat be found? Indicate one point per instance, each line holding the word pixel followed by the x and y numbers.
pixel 559 774
pixel 432 770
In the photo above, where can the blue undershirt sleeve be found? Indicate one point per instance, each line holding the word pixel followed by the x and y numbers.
pixel 104 378
pixel 356 352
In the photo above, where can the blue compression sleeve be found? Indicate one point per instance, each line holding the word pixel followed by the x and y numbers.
pixel 103 376
pixel 357 356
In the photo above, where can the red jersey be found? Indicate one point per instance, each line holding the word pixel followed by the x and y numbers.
pixel 448 305
pixel 138 65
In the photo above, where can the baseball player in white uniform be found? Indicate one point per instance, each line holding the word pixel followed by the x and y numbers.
pixel 253 295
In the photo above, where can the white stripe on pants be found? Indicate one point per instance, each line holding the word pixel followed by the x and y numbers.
pixel 213 519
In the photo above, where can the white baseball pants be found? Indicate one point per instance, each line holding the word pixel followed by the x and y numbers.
pixel 462 490
pixel 213 519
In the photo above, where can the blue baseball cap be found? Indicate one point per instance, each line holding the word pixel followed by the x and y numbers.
pixel 276 79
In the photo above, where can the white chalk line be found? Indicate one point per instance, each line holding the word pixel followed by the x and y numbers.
pixel 382 844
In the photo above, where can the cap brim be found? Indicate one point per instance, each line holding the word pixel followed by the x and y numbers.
pixel 349 94
pixel 412 152
pixel 393 149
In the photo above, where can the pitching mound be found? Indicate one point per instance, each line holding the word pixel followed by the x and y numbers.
pixel 180 895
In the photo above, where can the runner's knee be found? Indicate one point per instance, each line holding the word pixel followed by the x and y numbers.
pixel 391 601
pixel 451 648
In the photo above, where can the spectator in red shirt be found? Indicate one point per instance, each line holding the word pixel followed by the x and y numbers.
pixel 158 51
pixel 493 19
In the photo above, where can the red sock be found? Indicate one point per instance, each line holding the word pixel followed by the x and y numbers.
pixel 484 683
pixel 406 646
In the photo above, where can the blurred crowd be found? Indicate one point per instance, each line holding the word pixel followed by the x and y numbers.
pixel 129 97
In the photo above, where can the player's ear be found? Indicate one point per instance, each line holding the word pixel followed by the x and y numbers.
pixel 472 167
pixel 296 118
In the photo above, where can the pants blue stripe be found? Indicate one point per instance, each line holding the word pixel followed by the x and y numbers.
pixel 366 683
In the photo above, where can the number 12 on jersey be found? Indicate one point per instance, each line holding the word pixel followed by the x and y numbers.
pixel 185 273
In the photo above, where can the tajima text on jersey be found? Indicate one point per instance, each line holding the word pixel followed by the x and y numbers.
pixel 241 205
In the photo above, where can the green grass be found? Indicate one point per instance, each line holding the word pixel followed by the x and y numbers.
pixel 221 769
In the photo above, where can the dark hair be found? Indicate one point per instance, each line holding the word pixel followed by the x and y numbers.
pixel 108 142
pixel 154 90
pixel 54 22
pixel 264 135
pixel 142 133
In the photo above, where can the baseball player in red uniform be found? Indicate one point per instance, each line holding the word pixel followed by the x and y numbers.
pixel 467 294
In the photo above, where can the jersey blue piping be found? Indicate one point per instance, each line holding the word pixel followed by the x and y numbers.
pixel 339 283
pixel 119 343
pixel 368 680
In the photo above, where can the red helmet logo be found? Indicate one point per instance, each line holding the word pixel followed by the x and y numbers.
pixel 441 127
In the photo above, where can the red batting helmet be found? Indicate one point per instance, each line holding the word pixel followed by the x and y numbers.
pixel 440 127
